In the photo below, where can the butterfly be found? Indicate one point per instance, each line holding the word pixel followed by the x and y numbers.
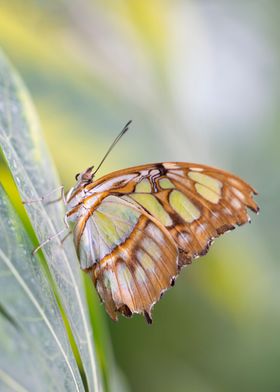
pixel 134 229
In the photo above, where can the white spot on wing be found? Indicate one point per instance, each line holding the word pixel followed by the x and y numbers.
pixel 238 193
pixel 235 203
pixel 197 169
pixel 184 238
pixel 234 182
pixel 227 211
pixel 154 232
pixel 154 172
pixel 150 246
pixel 140 275
pixel 201 228
pixel 170 165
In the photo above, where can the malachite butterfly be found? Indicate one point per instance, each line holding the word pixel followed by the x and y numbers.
pixel 134 229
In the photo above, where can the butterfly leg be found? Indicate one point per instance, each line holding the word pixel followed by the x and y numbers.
pixel 67 227
pixel 48 240
pixel 43 198
pixel 66 236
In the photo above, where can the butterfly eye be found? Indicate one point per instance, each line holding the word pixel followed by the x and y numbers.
pixel 76 176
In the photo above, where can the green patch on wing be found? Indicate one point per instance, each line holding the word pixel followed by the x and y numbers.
pixel 153 206
pixel 109 226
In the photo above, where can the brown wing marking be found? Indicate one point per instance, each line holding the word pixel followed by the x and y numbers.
pixel 134 276
pixel 194 239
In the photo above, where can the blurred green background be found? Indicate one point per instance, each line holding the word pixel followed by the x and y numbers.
pixel 200 80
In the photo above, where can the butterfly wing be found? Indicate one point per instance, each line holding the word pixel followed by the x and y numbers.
pixel 131 257
pixel 144 223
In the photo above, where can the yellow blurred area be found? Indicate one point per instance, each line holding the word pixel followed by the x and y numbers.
pixel 228 282
pixel 90 66
pixel 25 39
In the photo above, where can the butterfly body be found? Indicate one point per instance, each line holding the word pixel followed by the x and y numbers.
pixel 135 228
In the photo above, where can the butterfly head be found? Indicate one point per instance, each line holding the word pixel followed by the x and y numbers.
pixel 84 177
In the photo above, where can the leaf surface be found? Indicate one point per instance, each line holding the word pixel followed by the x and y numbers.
pixel 23 146
pixel 37 353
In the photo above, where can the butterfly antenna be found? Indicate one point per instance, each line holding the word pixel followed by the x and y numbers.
pixel 125 129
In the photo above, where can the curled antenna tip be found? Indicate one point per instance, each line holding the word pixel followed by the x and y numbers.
pixel 127 125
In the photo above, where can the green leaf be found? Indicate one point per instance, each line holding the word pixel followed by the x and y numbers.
pixel 32 332
pixel 34 174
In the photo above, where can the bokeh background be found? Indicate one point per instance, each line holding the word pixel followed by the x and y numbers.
pixel 200 80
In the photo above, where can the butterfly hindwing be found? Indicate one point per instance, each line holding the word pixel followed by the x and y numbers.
pixel 131 277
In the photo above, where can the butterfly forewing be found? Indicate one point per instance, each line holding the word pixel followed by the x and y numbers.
pixel 137 227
